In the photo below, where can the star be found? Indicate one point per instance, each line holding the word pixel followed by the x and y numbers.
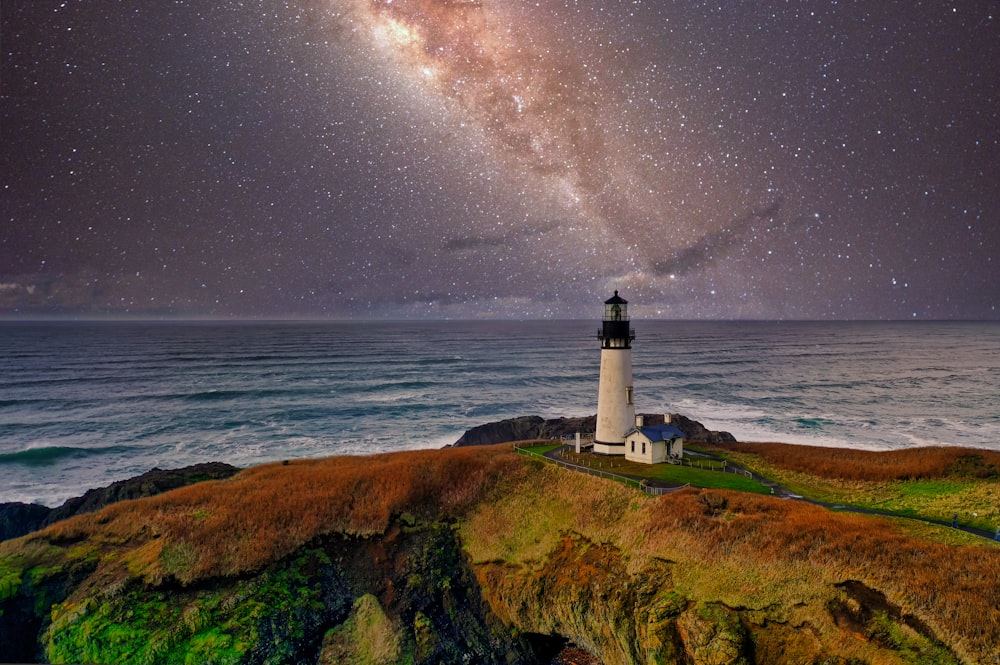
pixel 477 158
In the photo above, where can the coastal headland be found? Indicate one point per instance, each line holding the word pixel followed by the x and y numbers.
pixel 478 552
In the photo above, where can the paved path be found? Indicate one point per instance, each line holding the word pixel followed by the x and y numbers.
pixel 784 493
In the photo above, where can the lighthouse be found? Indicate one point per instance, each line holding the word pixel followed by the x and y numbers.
pixel 615 407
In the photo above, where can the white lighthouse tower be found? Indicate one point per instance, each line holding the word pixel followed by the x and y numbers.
pixel 615 408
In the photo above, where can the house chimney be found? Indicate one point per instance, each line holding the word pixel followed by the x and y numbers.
pixel 666 418
pixel 638 420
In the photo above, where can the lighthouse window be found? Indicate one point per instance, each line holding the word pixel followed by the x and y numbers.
pixel 628 394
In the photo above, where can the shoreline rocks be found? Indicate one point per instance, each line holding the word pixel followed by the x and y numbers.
pixel 18 519
pixel 536 427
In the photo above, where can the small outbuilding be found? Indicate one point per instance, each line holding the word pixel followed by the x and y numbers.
pixel 654 444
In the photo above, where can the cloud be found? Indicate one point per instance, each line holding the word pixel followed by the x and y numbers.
pixel 712 247
pixel 473 243
pixel 523 234
pixel 49 292
pixel 8 287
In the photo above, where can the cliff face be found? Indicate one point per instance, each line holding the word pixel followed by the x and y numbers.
pixel 478 555
pixel 402 597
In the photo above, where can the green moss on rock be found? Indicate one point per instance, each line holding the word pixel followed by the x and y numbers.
pixel 268 619
pixel 714 635
pixel 367 637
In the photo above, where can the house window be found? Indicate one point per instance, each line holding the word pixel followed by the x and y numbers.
pixel 643 447
pixel 633 445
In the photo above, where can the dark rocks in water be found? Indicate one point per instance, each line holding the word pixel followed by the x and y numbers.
pixel 155 481
pixel 512 429
pixel 693 430
pixel 534 427
pixel 18 519
pixel 525 427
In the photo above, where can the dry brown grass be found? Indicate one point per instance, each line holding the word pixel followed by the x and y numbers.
pixel 238 525
pixel 848 464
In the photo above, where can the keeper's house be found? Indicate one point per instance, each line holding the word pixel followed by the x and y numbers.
pixel 654 444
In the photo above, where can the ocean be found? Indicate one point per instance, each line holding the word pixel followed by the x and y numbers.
pixel 83 404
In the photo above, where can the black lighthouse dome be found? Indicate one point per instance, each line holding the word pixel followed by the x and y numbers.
pixel 615 332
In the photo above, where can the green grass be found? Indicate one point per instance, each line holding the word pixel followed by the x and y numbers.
pixel 670 473
pixel 540 449
pixel 976 502
pixel 698 462
pixel 681 475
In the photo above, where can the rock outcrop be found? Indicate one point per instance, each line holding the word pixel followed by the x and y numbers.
pixel 525 428
pixel 405 597
pixel 18 519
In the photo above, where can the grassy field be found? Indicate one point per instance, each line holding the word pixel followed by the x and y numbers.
pixel 668 473
pixel 939 485
pixel 964 483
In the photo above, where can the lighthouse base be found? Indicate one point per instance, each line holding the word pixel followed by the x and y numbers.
pixel 609 448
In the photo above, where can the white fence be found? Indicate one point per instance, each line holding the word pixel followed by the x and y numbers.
pixel 631 482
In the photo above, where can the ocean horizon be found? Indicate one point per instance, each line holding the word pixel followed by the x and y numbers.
pixel 86 403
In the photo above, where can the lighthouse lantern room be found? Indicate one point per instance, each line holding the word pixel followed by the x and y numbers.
pixel 615 406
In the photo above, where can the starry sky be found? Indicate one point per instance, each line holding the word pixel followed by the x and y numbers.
pixel 500 159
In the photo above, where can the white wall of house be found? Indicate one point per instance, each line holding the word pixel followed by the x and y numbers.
pixel 638 448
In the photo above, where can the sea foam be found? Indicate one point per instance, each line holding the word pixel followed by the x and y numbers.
pixel 85 404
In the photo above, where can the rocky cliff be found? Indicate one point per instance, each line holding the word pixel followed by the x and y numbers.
pixel 17 519
pixel 479 555
pixel 525 428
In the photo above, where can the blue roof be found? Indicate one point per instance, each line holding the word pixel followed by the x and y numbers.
pixel 660 432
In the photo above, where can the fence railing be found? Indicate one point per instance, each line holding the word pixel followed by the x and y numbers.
pixel 631 482
pixel 588 440
pixel 725 468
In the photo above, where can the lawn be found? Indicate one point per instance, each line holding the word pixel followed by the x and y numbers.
pixel 670 473
pixel 673 473
pixel 540 449
pixel 976 502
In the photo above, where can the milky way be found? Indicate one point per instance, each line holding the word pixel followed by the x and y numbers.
pixel 471 158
